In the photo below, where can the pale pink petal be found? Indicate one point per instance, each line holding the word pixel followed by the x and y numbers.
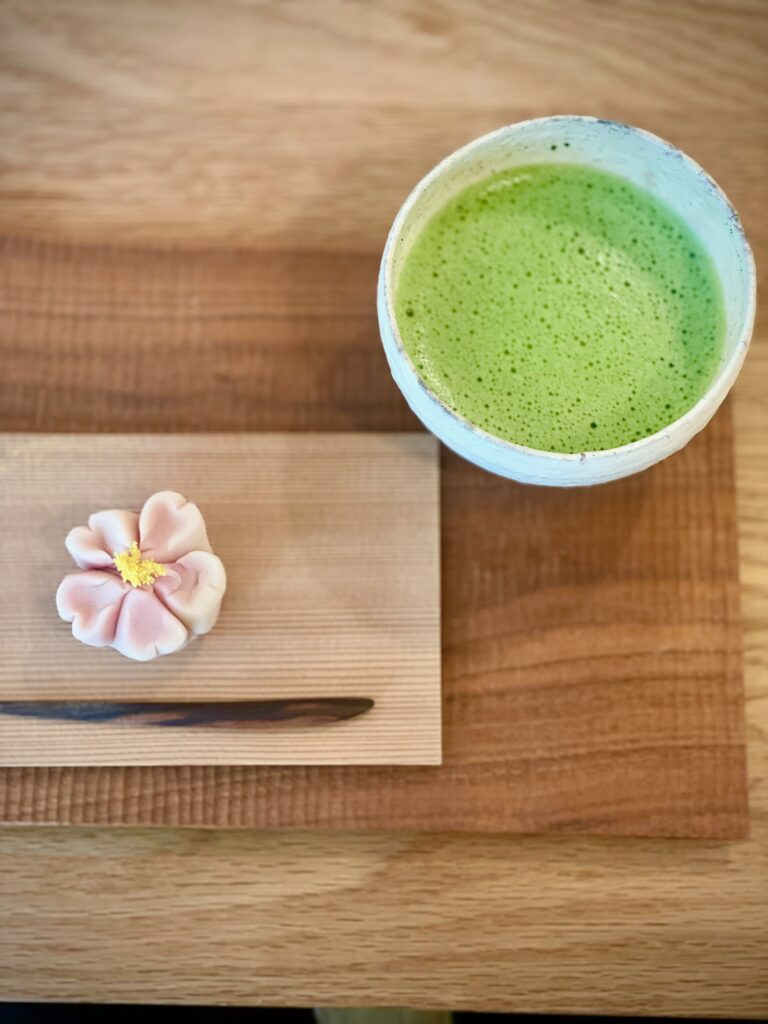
pixel 87 548
pixel 93 546
pixel 146 628
pixel 91 601
pixel 170 526
pixel 193 589
pixel 117 527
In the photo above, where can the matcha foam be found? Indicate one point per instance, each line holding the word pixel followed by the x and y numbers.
pixel 561 308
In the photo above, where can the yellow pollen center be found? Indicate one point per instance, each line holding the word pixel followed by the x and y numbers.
pixel 138 571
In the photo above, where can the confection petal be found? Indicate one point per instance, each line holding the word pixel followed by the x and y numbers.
pixel 107 532
pixel 92 601
pixel 146 629
pixel 170 527
pixel 118 528
pixel 87 548
pixel 193 588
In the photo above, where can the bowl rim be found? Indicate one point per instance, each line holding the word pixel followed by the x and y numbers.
pixel 692 417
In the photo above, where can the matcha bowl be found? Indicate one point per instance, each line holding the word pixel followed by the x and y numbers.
pixel 641 160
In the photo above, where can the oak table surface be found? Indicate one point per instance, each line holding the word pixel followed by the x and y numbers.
pixel 303 125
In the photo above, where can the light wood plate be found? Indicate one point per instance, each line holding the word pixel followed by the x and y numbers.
pixel 331 544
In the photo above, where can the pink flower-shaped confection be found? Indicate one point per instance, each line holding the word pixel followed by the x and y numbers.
pixel 149 582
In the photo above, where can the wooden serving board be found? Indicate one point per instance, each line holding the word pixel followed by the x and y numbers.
pixel 591 639
pixel 331 544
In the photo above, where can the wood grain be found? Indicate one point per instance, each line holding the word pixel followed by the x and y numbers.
pixel 306 125
pixel 134 123
pixel 331 544
pixel 591 668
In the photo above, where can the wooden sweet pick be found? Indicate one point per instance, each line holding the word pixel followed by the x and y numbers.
pixel 232 714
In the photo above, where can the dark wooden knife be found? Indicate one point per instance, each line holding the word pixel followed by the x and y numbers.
pixel 231 714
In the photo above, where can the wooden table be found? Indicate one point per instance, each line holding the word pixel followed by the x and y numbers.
pixel 303 125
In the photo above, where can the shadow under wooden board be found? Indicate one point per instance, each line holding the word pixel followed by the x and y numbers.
pixel 591 647
pixel 331 545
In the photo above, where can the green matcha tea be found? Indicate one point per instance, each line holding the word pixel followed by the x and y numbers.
pixel 561 308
